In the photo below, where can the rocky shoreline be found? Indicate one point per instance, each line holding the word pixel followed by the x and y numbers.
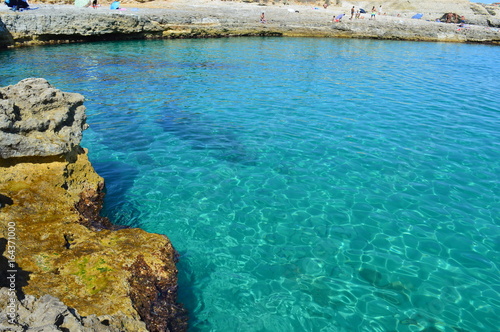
pixel 51 24
pixel 74 270
pixel 64 267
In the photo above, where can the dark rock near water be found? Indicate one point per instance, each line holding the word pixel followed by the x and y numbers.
pixel 154 297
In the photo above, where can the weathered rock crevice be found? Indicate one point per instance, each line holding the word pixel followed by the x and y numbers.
pixel 89 207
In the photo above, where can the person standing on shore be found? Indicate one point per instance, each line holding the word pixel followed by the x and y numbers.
pixel 262 18
pixel 380 10
pixel 352 12
pixel 374 12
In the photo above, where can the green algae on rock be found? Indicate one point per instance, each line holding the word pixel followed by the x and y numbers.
pixel 63 247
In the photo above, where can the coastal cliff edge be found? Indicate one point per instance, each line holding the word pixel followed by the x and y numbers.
pixel 56 23
pixel 63 265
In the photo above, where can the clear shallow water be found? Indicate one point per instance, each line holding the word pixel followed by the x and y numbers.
pixel 308 184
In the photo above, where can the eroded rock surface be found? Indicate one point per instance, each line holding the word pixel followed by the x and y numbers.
pixel 63 248
pixel 203 18
pixel 38 120
pixel 48 313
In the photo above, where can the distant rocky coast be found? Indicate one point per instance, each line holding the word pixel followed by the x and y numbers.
pixel 201 19
pixel 64 267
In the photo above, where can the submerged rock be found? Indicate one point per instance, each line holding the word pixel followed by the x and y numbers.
pixel 63 247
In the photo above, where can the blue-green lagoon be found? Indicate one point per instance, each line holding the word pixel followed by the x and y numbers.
pixel 308 184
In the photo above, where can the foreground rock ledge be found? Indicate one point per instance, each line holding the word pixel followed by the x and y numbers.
pixel 123 279
pixel 39 120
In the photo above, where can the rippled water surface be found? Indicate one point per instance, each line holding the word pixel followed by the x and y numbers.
pixel 308 184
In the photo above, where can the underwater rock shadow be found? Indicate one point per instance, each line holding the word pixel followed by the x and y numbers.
pixel 124 134
pixel 189 275
pixel 205 134
pixel 119 179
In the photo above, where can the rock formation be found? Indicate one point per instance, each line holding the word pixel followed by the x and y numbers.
pixel 199 19
pixel 39 120
pixel 73 24
pixel 52 234
pixel 50 314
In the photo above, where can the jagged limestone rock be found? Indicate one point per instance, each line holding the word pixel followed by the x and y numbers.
pixel 76 24
pixel 218 19
pixel 48 313
pixel 38 120
pixel 63 247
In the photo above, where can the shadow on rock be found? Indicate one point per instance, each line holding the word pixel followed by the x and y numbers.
pixel 5 200
pixel 6 38
pixel 11 275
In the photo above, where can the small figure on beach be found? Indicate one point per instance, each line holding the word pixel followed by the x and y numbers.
pixel 94 4
pixel 374 12
pixel 263 18
pixel 352 12
pixel 338 18
pixel 380 10
pixel 358 13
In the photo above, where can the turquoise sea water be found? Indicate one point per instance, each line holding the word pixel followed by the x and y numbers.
pixel 308 184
